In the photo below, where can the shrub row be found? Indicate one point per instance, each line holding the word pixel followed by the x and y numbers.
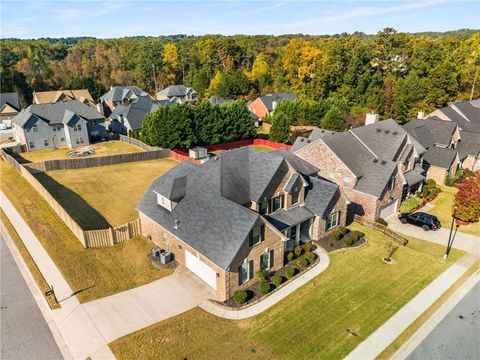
pixel 410 204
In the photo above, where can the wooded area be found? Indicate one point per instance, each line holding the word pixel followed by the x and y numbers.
pixel 396 74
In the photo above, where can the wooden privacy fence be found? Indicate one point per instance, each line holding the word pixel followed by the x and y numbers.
pixel 138 143
pixel 50 165
pixel 88 238
pixel 382 228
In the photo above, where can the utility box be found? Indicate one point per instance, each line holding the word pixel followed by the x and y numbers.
pixel 198 153
pixel 165 257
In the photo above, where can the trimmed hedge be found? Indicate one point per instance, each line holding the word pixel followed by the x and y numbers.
pixel 381 221
pixel 240 296
pixel 298 250
pixel 410 204
pixel 277 280
pixel 310 256
pixel 302 263
pixel 339 233
pixel 290 256
pixel 307 246
pixel 265 288
pixel 289 272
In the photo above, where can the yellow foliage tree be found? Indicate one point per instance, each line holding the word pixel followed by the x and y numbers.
pixel 171 63
pixel 214 82
pixel 260 67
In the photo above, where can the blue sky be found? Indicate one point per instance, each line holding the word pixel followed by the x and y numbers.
pixel 33 19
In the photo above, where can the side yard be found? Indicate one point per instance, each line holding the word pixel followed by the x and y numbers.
pixel 100 197
pixel 326 318
pixel 442 209
pixel 93 273
pixel 101 149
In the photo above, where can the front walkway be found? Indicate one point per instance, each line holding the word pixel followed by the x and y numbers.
pixel 378 341
pixel 272 299
pixel 88 328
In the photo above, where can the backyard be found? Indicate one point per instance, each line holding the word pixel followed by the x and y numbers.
pixel 113 147
pixel 93 273
pixel 326 318
pixel 100 197
pixel 442 209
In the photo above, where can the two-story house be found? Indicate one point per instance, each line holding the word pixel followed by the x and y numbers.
pixel 119 95
pixel 267 104
pixel 65 123
pixel 466 114
pixel 238 213
pixel 9 107
pixel 376 165
pixel 47 97
pixel 178 93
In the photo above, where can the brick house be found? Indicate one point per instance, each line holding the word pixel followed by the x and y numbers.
pixel 264 105
pixel 466 114
pixel 119 95
pixel 231 216
pixel 376 165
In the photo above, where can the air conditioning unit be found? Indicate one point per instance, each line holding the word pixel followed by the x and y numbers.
pixel 165 257
pixel 155 252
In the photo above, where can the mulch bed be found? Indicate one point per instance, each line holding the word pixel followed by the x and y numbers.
pixel 331 245
pixel 253 291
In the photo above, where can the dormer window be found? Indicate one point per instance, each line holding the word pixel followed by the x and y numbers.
pixel 277 203
pixel 295 196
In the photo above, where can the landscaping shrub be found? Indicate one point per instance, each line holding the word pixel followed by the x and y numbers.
pixel 302 263
pixel 264 288
pixel 307 246
pixel 350 238
pixel 339 233
pixel 449 181
pixel 289 272
pixel 240 296
pixel 290 256
pixel 298 250
pixel 358 234
pixel 310 256
pixel 381 221
pixel 277 280
pixel 261 274
pixel 410 204
pixel 430 182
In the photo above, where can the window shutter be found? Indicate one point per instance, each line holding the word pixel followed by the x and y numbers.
pixel 250 238
pixel 240 275
pixel 271 259
pixel 250 270
pixel 262 233
pixel 339 214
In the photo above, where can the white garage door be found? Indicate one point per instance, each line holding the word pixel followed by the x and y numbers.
pixel 202 270
pixel 388 210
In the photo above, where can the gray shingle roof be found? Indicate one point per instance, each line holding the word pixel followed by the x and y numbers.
pixel 270 98
pixel 213 224
pixel 316 134
pixel 469 144
pixel 175 90
pixel 284 219
pixel 217 100
pixel 440 157
pixel 414 176
pixel 120 93
pixel 10 98
pixel 293 184
pixel 431 131
pixel 300 165
pixel 320 195
pixel 465 113
pixel 54 113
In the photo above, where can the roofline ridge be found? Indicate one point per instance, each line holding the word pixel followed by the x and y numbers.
pixel 454 107
pixel 361 142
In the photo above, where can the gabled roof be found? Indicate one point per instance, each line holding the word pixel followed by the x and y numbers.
pixel 320 195
pixel 268 99
pixel 211 215
pixel 431 131
pixel 45 97
pixel 175 91
pixel 465 113
pixel 316 134
pixel 120 93
pixel 440 157
pixel 469 144
pixel 300 165
pixel 414 176
pixel 11 99
pixel 54 113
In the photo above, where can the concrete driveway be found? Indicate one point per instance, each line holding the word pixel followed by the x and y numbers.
pixel 123 313
pixel 465 242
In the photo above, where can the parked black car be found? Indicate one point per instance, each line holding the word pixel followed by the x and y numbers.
pixel 421 219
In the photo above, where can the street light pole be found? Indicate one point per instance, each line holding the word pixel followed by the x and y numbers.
pixel 450 238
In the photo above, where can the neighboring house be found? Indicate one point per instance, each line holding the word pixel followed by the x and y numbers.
pixel 267 104
pixel 239 213
pixel 217 100
pixel 376 165
pixel 469 150
pixel 130 117
pixel 9 107
pixel 178 92
pixel 465 113
pixel 65 123
pixel 440 138
pixel 47 97
pixel 119 95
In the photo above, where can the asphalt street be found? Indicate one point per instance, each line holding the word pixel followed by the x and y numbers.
pixel 457 335
pixel 24 334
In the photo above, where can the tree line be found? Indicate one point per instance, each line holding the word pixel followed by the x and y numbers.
pixel 397 74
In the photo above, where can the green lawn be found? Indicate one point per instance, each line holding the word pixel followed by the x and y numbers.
pixel 357 292
pixel 261 148
pixel 104 196
pixel 101 149
pixel 443 210
pixel 94 273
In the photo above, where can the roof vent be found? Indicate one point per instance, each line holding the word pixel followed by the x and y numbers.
pixel 177 222
pixel 375 160
pixel 379 130
pixel 302 140
pixel 387 131
pixel 395 132
pixel 309 141
pixel 383 162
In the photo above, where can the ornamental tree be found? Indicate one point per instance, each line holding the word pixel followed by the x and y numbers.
pixel 467 199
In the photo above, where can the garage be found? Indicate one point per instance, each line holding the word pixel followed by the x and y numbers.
pixel 202 270
pixel 388 209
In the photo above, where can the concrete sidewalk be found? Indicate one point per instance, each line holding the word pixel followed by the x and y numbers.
pixel 371 347
pixel 274 298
